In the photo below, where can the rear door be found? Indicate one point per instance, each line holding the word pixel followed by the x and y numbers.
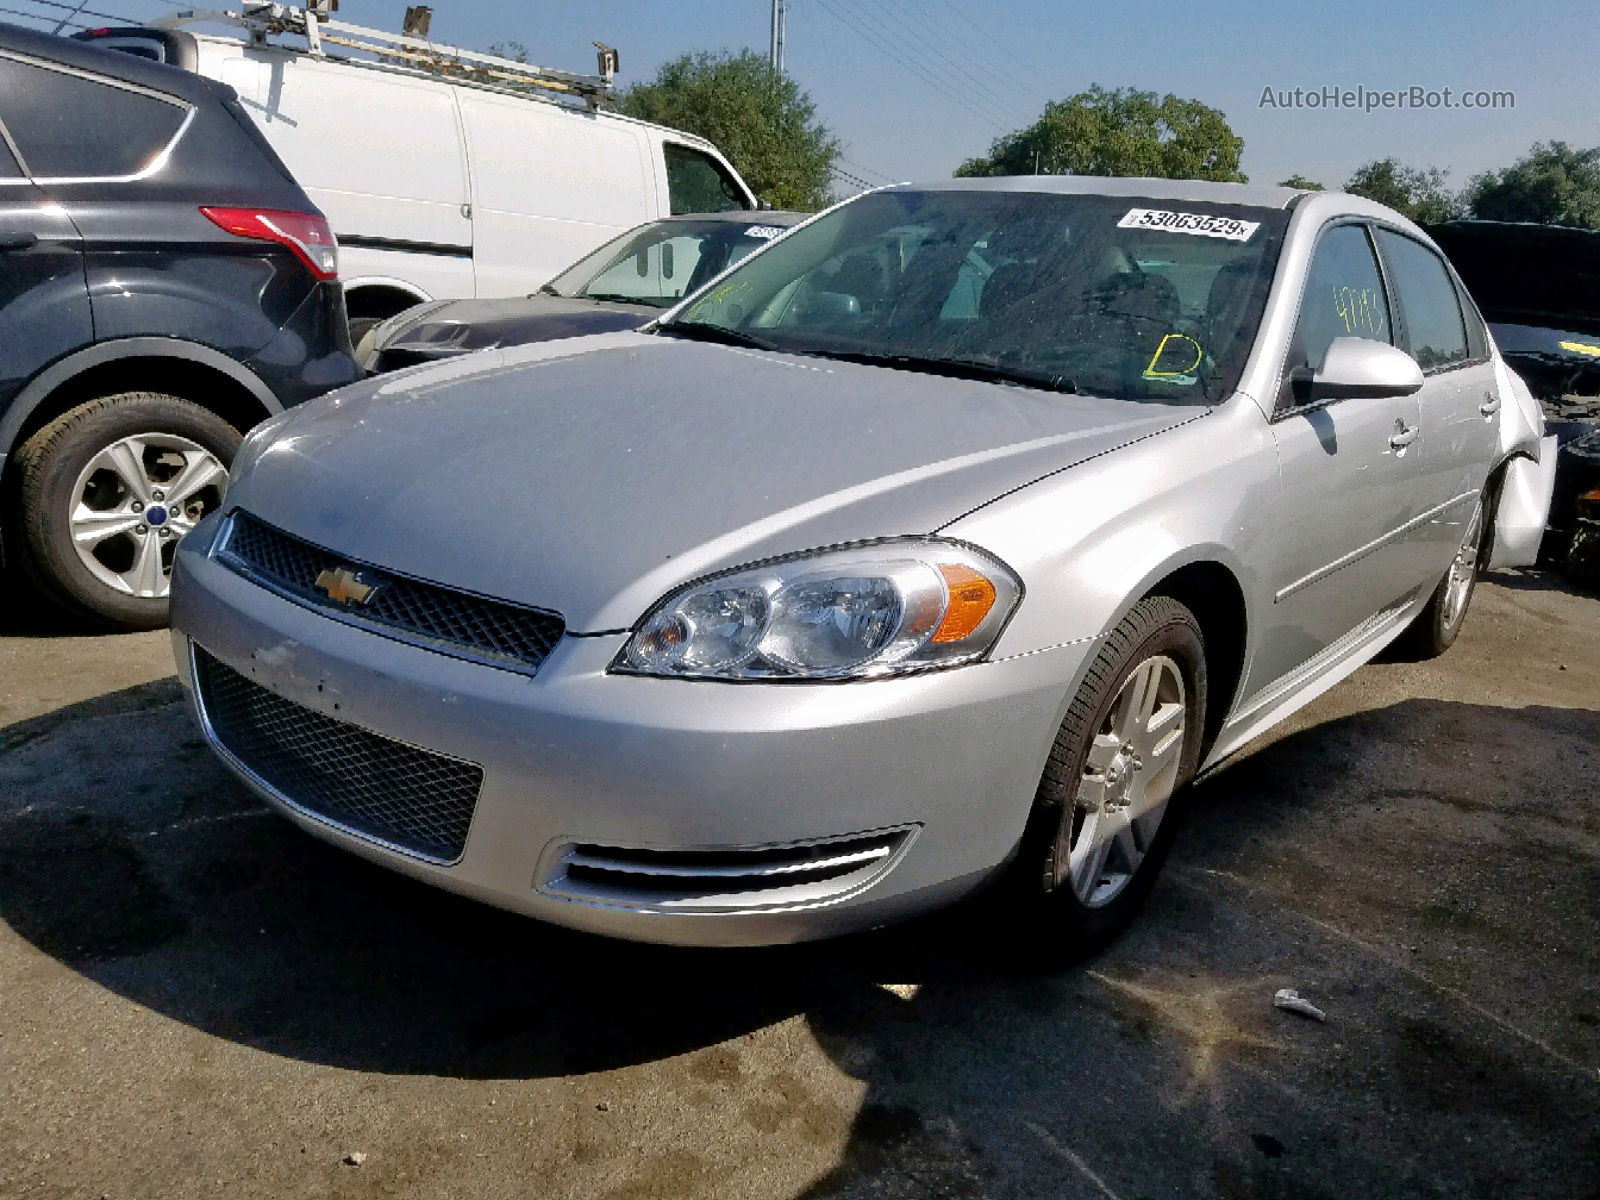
pixel 1339 554
pixel 1460 400
pixel 550 183
pixel 44 298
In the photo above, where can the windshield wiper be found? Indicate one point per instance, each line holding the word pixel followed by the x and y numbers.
pixel 701 331
pixel 957 368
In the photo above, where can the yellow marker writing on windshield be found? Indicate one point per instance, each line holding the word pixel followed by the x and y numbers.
pixel 1150 372
pixel 1580 348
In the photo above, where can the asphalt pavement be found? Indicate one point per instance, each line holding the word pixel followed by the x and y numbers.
pixel 196 1000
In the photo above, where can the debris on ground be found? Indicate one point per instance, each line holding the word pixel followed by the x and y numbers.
pixel 354 1159
pixel 1293 1001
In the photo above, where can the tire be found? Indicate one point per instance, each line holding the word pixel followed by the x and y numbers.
pixel 1060 918
pixel 73 475
pixel 1435 628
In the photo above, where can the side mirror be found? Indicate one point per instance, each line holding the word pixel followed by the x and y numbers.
pixel 1360 369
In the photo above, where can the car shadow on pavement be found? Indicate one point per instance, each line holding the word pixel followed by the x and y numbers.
pixel 1386 863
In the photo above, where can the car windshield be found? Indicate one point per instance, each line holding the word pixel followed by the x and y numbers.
pixel 660 263
pixel 1115 296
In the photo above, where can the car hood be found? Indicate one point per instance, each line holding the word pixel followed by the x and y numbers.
pixel 1539 275
pixel 465 326
pixel 592 476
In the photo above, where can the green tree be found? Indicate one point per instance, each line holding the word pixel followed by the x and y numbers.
pixel 760 119
pixel 1298 180
pixel 1420 193
pixel 1121 131
pixel 1553 184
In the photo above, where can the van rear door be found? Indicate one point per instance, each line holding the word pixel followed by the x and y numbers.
pixel 550 183
pixel 380 154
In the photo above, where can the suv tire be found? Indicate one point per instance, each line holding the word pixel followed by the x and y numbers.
pixel 80 473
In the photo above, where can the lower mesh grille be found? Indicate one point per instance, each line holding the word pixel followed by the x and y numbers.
pixel 410 798
pixel 719 880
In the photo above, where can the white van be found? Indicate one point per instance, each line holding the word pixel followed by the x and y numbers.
pixel 439 188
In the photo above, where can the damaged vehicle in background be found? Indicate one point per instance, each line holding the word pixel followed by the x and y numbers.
pixel 941 543
pixel 625 284
pixel 1539 287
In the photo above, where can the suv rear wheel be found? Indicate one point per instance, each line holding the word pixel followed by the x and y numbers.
pixel 108 490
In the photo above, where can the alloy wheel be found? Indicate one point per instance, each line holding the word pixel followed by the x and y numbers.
pixel 1128 777
pixel 133 503
pixel 1463 570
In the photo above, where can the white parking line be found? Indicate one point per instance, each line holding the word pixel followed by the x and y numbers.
pixel 1072 1157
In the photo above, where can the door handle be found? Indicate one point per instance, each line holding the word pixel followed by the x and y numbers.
pixel 1490 405
pixel 18 241
pixel 1403 434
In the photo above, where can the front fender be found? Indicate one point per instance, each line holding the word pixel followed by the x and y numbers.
pixel 65 369
pixel 1091 541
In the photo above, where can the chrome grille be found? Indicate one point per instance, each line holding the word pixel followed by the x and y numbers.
pixel 444 619
pixel 720 880
pixel 407 797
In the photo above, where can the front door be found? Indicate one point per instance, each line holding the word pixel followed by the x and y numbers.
pixel 1338 552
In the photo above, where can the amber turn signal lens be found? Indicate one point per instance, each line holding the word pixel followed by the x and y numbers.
pixel 971 598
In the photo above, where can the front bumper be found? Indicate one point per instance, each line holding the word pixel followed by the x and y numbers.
pixel 578 757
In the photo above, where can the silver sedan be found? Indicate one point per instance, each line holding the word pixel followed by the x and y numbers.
pixel 938 544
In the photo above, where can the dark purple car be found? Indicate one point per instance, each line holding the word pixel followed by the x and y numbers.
pixel 626 283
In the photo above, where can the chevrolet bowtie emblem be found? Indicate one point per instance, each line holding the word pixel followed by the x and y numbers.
pixel 345 586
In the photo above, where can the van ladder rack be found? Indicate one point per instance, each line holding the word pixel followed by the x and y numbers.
pixel 312 22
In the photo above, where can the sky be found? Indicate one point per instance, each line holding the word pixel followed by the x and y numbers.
pixel 913 87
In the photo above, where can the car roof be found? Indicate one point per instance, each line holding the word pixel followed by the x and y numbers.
pixel 1105 185
pixel 745 216
pixel 112 64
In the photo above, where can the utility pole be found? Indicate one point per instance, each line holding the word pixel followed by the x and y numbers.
pixel 780 12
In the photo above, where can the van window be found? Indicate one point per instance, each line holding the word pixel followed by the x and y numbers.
pixel 1435 329
pixel 69 126
pixel 697 183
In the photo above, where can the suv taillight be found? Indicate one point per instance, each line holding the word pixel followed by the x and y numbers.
pixel 306 234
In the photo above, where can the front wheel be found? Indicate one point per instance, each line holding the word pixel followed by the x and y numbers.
pixel 1103 816
pixel 108 490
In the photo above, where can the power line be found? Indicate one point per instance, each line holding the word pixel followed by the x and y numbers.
pixel 971 91
pixel 868 170
pixel 987 36
pixel 962 75
pixel 933 81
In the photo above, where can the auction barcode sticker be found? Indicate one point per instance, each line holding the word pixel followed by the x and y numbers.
pixel 1196 223
pixel 764 231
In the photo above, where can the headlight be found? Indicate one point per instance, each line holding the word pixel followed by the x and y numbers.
pixel 856 613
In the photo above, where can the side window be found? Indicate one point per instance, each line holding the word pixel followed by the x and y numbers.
pixel 697 183
pixel 1435 329
pixel 1344 297
pixel 70 127
pixel 656 273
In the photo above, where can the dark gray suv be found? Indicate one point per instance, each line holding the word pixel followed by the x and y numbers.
pixel 164 285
